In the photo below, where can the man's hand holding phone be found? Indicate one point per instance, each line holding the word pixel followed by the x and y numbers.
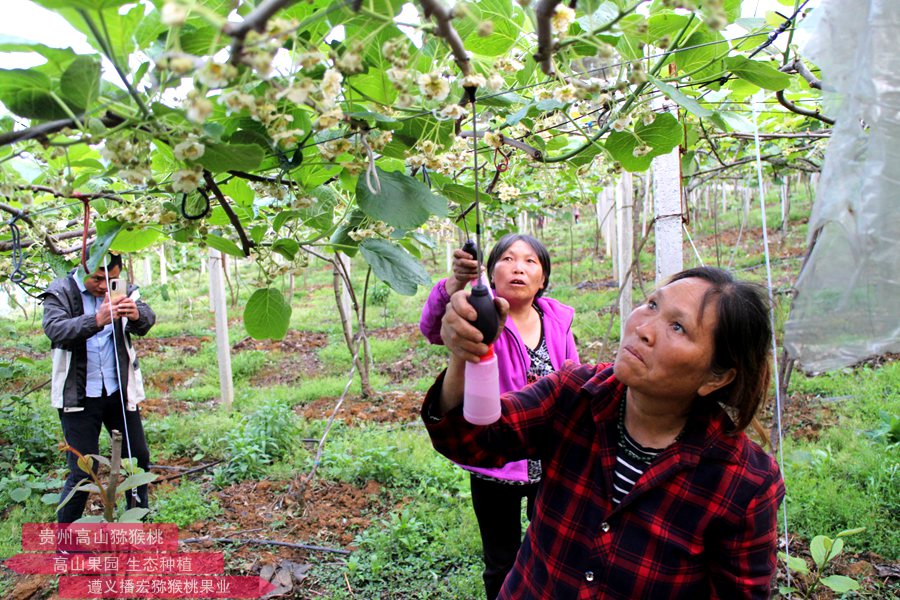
pixel 122 305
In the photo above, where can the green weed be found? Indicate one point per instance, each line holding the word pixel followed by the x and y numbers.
pixel 185 504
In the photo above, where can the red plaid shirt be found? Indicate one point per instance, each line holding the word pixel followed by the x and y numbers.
pixel 699 523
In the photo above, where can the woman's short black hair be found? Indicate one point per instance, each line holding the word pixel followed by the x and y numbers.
pixel 508 240
pixel 742 340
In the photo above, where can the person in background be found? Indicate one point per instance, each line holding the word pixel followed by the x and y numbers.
pixel 96 380
pixel 651 489
pixel 536 341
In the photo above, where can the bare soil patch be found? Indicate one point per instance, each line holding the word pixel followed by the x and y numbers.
pixel 387 407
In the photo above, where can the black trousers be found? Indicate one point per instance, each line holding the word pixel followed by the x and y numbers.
pixel 498 508
pixel 82 431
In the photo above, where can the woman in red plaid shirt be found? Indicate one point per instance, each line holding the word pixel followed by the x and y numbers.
pixel 650 489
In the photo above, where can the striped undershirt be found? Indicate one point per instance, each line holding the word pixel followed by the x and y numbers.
pixel 632 460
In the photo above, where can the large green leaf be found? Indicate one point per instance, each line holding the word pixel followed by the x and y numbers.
pixel 403 202
pixel 134 240
pixel 219 158
pixel 604 14
pixel 662 135
pixel 80 83
pixel 758 73
pixel 82 4
pixel 703 59
pixel 461 194
pixel 58 59
pixel 839 583
pixel 137 480
pixel 224 245
pixel 239 191
pixel 106 233
pixel 29 93
pixel 267 315
pixel 394 266
pixel 286 247
pixel 665 23
pixel 507 24
pixel 732 121
pixel 680 98
pixel 319 216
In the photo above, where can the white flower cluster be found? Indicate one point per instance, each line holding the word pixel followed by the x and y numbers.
pixel 434 86
pixel 187 180
pixel 432 157
pixel 190 149
pixel 562 19
pixel 130 157
pixel 140 211
pixel 507 192
pixel 376 229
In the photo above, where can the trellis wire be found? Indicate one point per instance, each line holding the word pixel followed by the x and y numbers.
pixel 762 208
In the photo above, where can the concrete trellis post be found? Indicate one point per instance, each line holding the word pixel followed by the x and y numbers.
pixel 223 345
pixel 346 301
pixel 624 244
pixel 146 271
pixel 648 197
pixel 667 202
pixel 163 267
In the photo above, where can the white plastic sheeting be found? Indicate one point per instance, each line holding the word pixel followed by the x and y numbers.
pixel 848 302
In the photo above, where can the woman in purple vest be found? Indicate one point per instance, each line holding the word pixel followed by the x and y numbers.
pixel 536 341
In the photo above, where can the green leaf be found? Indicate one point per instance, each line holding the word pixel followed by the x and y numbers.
pixel 219 158
pixel 282 218
pixel 794 563
pixel 506 32
pixel 134 240
pixel 136 480
pixel 29 94
pixel 403 202
pixel 218 217
pixel 341 239
pixel 461 194
pixel 106 233
pixel 758 73
pixel 267 315
pixel 239 191
pixel 732 121
pixel 662 135
pixel 80 83
pixel 224 245
pixel 319 216
pixel 839 583
pixel 819 548
pixel 684 101
pixel 20 494
pixel 663 24
pixel 394 266
pixel 50 498
pixel 133 515
pixel 82 4
pixel 853 531
pixel 704 57
pixel 258 232
pixel 286 247
pixel 58 59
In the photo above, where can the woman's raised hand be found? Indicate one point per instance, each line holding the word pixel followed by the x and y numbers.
pixel 465 269
pixel 457 331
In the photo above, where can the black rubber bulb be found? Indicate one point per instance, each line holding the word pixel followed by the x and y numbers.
pixel 471 249
pixel 487 321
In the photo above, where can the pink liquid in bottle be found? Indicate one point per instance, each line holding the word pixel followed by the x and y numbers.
pixel 481 398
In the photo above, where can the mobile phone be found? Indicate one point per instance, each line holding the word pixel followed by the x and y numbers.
pixel 116 288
